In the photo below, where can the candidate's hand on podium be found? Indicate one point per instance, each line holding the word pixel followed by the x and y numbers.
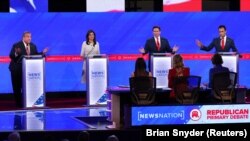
pixel 198 43
pixel 142 50
pixel 175 48
pixel 235 53
pixel 45 50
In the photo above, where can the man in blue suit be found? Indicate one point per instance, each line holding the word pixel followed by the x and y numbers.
pixel 221 43
pixel 157 44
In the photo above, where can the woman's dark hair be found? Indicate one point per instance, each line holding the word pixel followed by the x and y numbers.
pixel 217 59
pixel 87 37
pixel 140 67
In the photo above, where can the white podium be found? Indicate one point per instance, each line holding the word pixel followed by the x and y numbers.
pixel 33 81
pixel 97 79
pixel 160 65
pixel 231 61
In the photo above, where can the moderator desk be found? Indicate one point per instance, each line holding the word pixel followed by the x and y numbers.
pixel 118 97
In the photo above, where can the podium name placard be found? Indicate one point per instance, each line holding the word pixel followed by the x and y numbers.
pixel 33 81
pixel 160 65
pixel 97 79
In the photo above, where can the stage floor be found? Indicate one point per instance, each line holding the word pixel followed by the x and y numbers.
pixel 70 119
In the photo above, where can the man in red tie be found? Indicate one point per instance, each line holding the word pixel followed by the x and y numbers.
pixel 222 43
pixel 19 49
pixel 157 44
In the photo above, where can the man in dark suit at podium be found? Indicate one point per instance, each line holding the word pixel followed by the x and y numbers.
pixel 19 49
pixel 157 44
pixel 221 43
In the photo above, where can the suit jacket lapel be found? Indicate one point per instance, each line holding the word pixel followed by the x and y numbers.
pixel 219 44
pixel 161 43
pixel 31 50
pixel 226 44
pixel 154 44
pixel 23 48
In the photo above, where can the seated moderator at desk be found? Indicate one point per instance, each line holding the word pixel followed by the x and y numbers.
pixel 223 43
pixel 140 69
pixel 217 62
pixel 178 70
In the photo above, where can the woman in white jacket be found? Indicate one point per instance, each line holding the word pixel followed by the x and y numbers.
pixel 90 47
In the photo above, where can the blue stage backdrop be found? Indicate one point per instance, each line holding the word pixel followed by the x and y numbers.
pixel 117 33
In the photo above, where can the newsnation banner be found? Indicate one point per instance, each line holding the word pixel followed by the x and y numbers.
pixel 195 114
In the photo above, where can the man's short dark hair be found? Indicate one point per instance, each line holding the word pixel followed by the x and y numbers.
pixel 26 32
pixel 217 59
pixel 222 26
pixel 156 27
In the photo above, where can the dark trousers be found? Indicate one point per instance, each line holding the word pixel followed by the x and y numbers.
pixel 16 79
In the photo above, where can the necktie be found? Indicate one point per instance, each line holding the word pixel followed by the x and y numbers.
pixel 157 44
pixel 222 44
pixel 27 50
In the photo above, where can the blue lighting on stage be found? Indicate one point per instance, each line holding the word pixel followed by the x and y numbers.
pixel 118 33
